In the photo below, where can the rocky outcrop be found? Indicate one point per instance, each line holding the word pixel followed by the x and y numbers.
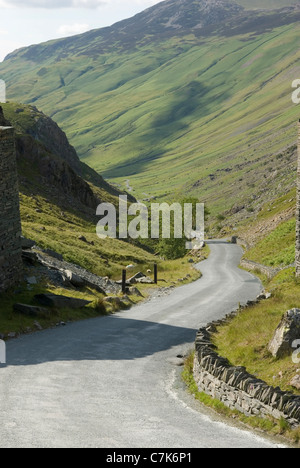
pixel 295 382
pixel 47 132
pixel 60 302
pixel 53 172
pixel 31 311
pixel 51 136
pixel 184 14
pixel 54 167
pixel 286 334
pixel 68 273
pixel 48 165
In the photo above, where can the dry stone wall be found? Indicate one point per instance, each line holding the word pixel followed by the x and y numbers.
pixel 236 388
pixel 10 222
pixel 254 266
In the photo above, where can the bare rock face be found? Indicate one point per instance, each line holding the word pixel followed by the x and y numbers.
pixel 295 382
pixel 287 332
pixel 52 300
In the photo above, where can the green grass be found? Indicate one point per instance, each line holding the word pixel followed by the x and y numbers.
pixel 57 222
pixel 169 116
pixel 170 274
pixel 23 121
pixel 58 231
pixel 11 321
pixel 244 341
pixel 278 248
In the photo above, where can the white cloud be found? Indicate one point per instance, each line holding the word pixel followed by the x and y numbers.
pixel 35 21
pixel 87 4
pixel 53 4
pixel 71 29
pixel 7 46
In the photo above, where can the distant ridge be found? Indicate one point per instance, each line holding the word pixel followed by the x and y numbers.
pixel 185 98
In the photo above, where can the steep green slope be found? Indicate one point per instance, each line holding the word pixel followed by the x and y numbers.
pixel 204 110
pixel 57 205
pixel 58 208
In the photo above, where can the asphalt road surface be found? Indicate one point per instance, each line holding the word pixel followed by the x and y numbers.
pixel 113 381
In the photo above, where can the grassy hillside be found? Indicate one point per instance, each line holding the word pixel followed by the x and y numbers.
pixel 44 222
pixel 207 113
pixel 55 216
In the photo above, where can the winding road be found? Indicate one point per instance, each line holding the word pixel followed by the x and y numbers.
pixel 113 381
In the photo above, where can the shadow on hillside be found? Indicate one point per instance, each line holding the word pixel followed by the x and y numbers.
pixel 109 338
pixel 182 107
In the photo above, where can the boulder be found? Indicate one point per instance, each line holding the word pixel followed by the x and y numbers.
pixel 12 335
pixel 51 300
pixel 83 239
pixel 134 279
pixel 112 300
pixel 263 296
pixel 286 333
pixel 145 280
pixel 74 279
pixel 31 311
pixel 31 280
pixel 135 291
pixel 27 244
pixel 119 302
pixel 53 254
pixel 87 281
pixel 38 326
pixel 30 257
pixel 295 382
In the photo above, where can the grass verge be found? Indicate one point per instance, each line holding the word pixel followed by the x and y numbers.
pixel 171 273
pixel 244 341
pixel 269 425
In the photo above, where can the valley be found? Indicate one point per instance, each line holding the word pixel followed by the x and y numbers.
pixel 201 112
pixel 187 100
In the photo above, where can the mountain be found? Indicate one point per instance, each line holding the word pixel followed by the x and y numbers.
pixel 49 164
pixel 58 205
pixel 168 19
pixel 188 97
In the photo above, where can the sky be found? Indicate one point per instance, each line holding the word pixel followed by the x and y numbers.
pixel 27 22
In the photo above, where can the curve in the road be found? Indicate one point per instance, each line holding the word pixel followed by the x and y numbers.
pixel 111 382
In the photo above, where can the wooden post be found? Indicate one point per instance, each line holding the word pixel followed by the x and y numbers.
pixel 155 273
pixel 124 272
